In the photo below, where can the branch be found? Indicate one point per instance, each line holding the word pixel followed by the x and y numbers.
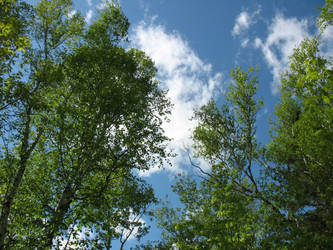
pixel 256 195
pixel 33 145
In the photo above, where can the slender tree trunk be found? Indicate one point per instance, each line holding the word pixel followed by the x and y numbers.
pixel 108 242
pixel 59 214
pixel 13 187
pixel 8 203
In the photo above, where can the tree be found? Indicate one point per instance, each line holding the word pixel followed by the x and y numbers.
pixel 276 196
pixel 26 98
pixel 13 18
pixel 302 142
pixel 221 211
pixel 87 114
pixel 302 145
pixel 326 15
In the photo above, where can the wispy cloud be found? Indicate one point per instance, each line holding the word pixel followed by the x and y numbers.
pixel 243 21
pixel 327 42
pixel 284 35
pixel 245 42
pixel 190 81
pixel 88 16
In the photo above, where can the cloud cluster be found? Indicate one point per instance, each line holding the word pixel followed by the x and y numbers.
pixel 242 23
pixel 327 42
pixel 190 81
pixel 284 35
pixel 89 13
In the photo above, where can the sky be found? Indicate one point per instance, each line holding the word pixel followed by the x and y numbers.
pixel 195 44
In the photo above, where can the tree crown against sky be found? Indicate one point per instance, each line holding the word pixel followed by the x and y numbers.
pixel 79 115
pixel 274 196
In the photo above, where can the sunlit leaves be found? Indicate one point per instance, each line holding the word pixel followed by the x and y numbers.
pixel 301 146
pixel 220 209
pixel 80 116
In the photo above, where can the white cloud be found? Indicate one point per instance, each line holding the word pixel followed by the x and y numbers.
pixel 88 16
pixel 284 35
pixel 132 231
pixel 245 42
pixel 72 13
pixel 243 21
pixel 327 42
pixel 89 2
pixel 75 236
pixel 190 81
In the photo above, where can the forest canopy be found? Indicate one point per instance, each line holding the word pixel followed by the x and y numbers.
pixel 81 114
pixel 273 196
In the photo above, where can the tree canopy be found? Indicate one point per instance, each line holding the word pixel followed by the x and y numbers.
pixel 273 196
pixel 79 114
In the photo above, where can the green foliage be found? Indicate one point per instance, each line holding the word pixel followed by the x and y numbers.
pixel 79 115
pixel 110 28
pixel 326 15
pixel 221 210
pixel 276 196
pixel 78 119
pixel 302 143
pixel 12 28
pixel 14 16
pixel 213 217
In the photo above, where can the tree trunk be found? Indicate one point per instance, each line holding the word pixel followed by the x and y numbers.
pixel 8 203
pixel 12 189
pixel 59 214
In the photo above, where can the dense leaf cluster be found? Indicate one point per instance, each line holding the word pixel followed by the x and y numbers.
pixel 79 116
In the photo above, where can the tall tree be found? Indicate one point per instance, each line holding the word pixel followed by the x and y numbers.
pixel 326 15
pixel 91 115
pixel 221 210
pixel 13 24
pixel 302 146
pixel 25 98
pixel 279 193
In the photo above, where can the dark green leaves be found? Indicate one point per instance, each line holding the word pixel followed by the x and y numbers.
pixel 110 28
pixel 79 119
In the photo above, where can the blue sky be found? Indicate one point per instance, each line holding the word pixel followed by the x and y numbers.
pixel 195 44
